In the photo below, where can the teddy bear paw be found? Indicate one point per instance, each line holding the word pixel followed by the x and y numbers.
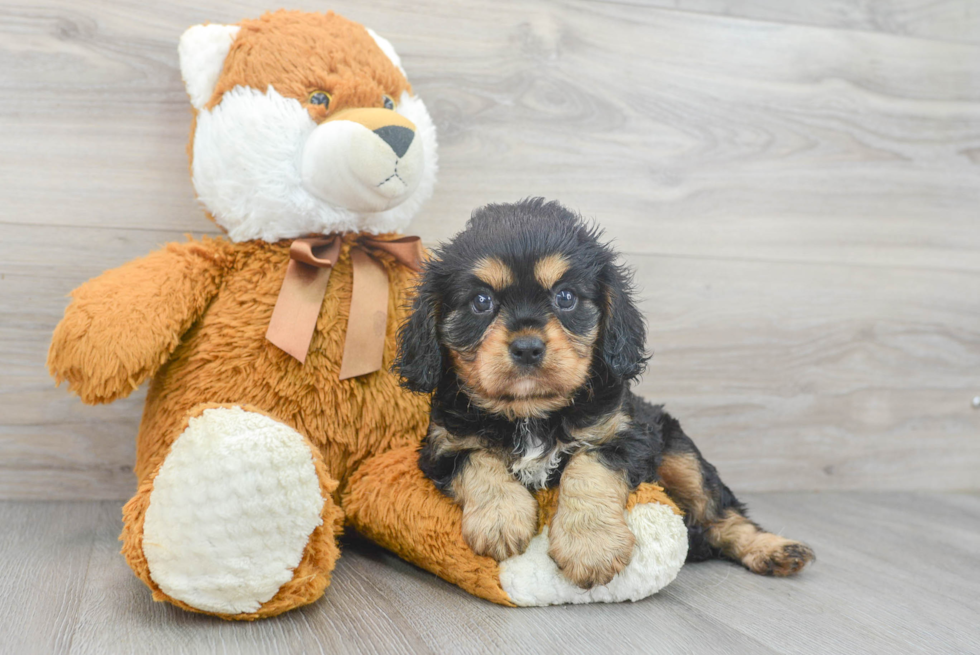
pixel 658 552
pixel 231 511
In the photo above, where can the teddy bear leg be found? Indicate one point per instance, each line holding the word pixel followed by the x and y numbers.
pixel 390 501
pixel 237 520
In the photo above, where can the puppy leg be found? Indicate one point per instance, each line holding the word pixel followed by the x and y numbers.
pixel 500 516
pixel 716 520
pixel 589 538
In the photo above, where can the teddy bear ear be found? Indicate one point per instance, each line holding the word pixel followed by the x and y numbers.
pixel 202 51
pixel 388 49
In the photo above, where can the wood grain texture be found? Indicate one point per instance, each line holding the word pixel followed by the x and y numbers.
pixel 945 20
pixel 796 183
pixel 896 573
pixel 45 550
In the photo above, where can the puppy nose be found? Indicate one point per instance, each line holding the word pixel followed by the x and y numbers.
pixel 396 136
pixel 528 351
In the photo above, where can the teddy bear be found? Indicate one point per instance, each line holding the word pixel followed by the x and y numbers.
pixel 272 420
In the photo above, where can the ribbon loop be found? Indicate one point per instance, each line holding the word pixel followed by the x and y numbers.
pixel 316 252
pixel 298 306
pixel 407 250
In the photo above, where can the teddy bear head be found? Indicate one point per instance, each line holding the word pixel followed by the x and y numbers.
pixel 304 124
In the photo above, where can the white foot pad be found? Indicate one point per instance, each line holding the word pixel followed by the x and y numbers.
pixel 231 511
pixel 533 578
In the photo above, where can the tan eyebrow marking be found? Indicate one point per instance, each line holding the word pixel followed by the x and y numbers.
pixel 494 272
pixel 549 269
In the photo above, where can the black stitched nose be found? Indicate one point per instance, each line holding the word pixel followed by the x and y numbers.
pixel 396 136
pixel 528 351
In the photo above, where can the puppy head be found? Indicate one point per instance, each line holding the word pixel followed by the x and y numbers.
pixel 523 305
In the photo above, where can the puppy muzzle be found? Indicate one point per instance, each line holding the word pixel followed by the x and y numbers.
pixel 364 160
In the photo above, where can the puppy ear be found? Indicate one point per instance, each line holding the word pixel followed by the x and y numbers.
pixel 419 359
pixel 623 334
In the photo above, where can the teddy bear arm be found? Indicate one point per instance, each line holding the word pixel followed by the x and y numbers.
pixel 390 501
pixel 121 326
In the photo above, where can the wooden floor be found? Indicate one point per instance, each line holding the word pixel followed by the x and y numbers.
pixel 897 573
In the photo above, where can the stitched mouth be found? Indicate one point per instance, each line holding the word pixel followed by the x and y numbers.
pixel 393 176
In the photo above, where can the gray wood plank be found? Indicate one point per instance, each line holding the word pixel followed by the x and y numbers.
pixel 843 377
pixel 772 140
pixel 946 20
pixel 968 504
pixel 818 377
pixel 45 549
pixel 880 583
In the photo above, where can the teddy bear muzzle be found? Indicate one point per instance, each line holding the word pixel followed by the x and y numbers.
pixel 364 160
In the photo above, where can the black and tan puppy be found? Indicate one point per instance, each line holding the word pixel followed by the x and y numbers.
pixel 525 328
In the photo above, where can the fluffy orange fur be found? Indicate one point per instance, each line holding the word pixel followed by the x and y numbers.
pixel 299 53
pixel 147 318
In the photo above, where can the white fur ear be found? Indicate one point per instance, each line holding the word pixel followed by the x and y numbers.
pixel 388 49
pixel 202 50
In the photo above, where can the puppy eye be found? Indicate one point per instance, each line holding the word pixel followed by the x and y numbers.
pixel 482 304
pixel 320 98
pixel 389 103
pixel 566 299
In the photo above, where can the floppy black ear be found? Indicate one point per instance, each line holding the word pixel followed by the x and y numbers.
pixel 623 335
pixel 419 358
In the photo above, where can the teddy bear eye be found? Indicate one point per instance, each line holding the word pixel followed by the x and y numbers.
pixel 320 98
pixel 389 103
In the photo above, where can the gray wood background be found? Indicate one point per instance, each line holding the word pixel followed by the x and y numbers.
pixel 796 182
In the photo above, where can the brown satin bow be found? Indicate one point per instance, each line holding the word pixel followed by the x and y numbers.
pixel 298 305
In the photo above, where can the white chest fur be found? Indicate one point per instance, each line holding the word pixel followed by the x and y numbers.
pixel 534 458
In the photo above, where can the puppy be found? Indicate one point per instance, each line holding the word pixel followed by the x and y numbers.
pixel 525 328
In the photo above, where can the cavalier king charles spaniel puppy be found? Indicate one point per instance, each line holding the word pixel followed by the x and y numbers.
pixel 525 331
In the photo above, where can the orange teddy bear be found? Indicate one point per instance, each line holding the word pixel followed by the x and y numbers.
pixel 271 417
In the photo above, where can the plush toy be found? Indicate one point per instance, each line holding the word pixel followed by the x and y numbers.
pixel 271 418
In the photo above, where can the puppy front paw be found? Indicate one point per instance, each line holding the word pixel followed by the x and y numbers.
pixel 503 528
pixel 590 550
